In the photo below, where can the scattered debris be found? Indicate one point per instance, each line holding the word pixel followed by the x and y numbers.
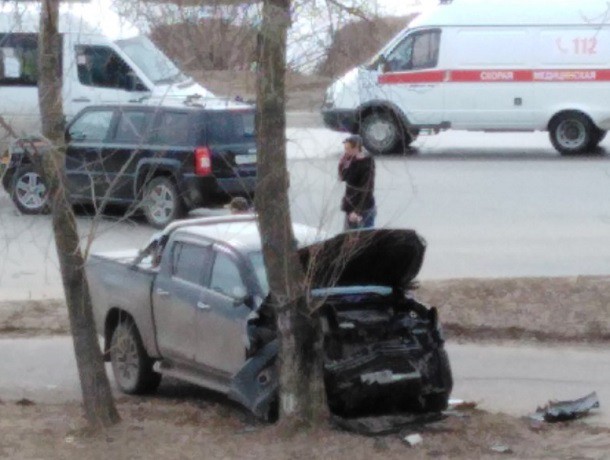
pixel 380 425
pixel 536 425
pixel 413 439
pixel 501 449
pixel 559 411
pixel 25 402
pixel 459 404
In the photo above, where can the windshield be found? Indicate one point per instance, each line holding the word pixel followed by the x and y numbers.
pixel 155 65
pixel 259 268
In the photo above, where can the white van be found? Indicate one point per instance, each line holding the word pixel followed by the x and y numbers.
pixel 95 68
pixel 485 65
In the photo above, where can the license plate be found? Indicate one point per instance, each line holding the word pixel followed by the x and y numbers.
pixel 245 159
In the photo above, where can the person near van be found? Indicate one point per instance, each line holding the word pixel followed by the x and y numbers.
pixel 357 169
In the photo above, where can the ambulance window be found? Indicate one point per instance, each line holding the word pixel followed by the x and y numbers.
pixel 18 59
pixel 417 51
pixel 101 66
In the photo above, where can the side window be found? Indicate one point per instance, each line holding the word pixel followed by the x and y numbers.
pixel 19 59
pixel 226 278
pixel 172 129
pixel 101 66
pixel 188 261
pixel 132 127
pixel 417 51
pixel 91 126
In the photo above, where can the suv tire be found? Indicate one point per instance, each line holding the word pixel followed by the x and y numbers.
pixel 29 192
pixel 161 203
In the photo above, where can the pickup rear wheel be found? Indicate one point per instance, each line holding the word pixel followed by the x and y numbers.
pixel 161 203
pixel 29 192
pixel 131 365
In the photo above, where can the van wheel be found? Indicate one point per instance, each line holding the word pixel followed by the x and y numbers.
pixel 29 192
pixel 161 203
pixel 382 133
pixel 571 133
pixel 131 365
pixel 597 137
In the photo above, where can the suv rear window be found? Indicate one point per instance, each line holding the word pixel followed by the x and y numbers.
pixel 232 127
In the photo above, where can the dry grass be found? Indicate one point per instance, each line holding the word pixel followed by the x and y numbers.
pixel 195 428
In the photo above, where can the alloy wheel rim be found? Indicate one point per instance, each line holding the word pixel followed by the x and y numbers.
pixel 31 191
pixel 126 360
pixel 160 203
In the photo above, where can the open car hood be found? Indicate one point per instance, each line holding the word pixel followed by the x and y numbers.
pixel 382 257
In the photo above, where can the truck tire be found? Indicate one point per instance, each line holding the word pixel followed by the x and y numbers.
pixel 161 203
pixel 571 133
pixel 382 133
pixel 131 365
pixel 29 192
pixel 597 137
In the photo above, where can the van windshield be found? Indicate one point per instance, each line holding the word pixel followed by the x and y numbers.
pixel 155 65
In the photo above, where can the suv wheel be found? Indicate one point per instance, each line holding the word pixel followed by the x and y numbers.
pixel 161 203
pixel 29 192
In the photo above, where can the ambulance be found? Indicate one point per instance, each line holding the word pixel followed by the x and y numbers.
pixel 484 65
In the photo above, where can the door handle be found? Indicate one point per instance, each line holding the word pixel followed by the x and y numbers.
pixel 203 306
pixel 162 293
pixel 81 99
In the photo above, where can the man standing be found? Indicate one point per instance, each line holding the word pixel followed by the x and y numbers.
pixel 357 169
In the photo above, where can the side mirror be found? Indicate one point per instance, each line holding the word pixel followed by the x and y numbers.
pixel 382 64
pixel 75 136
pixel 247 300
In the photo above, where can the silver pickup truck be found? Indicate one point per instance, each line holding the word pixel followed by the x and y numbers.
pixel 192 305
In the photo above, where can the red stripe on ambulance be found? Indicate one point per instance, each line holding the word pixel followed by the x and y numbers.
pixel 495 76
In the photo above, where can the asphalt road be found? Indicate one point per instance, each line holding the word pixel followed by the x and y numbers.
pixel 489 205
pixel 508 378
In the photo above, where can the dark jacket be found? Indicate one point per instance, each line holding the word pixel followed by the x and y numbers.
pixel 359 177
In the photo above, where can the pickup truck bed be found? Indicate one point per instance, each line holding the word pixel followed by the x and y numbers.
pixel 107 274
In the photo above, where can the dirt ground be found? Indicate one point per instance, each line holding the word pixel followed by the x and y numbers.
pixel 170 428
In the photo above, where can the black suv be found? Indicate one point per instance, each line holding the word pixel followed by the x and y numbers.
pixel 162 159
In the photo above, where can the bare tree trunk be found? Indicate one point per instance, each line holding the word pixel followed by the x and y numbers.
pixel 302 395
pixel 100 410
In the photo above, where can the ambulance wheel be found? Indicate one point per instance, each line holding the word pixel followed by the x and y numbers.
pixel 598 136
pixel 382 133
pixel 571 133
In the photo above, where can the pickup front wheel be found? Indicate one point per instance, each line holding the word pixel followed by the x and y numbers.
pixel 131 365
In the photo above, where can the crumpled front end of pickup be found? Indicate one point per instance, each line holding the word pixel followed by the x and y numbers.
pixel 384 359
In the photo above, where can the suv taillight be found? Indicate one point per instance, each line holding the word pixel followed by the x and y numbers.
pixel 203 161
